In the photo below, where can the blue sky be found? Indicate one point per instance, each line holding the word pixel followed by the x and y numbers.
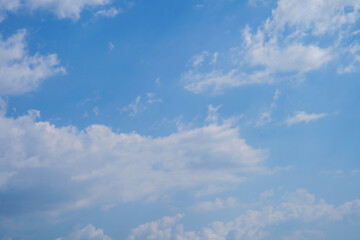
pixel 213 119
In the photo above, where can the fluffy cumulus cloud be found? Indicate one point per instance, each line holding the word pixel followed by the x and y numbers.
pixel 317 16
pixel 286 47
pixel 304 117
pixel 61 8
pixel 161 229
pixel 300 207
pixel 99 166
pixel 294 57
pixel 21 72
pixel 87 233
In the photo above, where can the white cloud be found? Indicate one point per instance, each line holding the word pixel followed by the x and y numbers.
pixel 89 232
pixel 265 118
pixel 61 8
pixel 151 99
pixel 214 58
pixel 111 46
pixel 294 57
pixel 96 111
pixel 213 116
pixel 256 224
pixel 197 60
pixel 306 235
pixel 267 194
pixel 317 16
pixel 287 46
pixel 138 106
pixel 160 230
pixel 20 72
pixel 8 6
pixel 332 172
pixel 354 51
pixel 256 3
pixel 98 166
pixel 217 204
pixel 135 107
pixel 217 80
pixel 111 12
pixel 266 115
pixel 304 117
pixel 5 179
pixel 277 94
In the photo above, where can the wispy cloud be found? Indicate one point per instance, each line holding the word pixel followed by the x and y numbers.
pixel 267 194
pixel 304 117
pixel 111 46
pixel 135 107
pixel 61 8
pixel 139 106
pixel 266 116
pixel 109 13
pixel 256 224
pixel 21 72
pixel 216 205
pixel 151 98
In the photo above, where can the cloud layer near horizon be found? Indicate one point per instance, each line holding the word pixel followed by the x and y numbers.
pixel 300 208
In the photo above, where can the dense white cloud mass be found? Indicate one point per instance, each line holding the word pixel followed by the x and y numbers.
pixel 287 46
pixel 289 58
pixel 304 117
pixel 20 72
pixel 61 8
pixel 104 167
pixel 87 233
pixel 301 206
pixel 317 16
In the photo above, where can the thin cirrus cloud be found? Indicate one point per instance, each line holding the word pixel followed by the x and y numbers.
pixel 302 116
pixel 138 106
pixel 61 8
pixel 21 72
pixel 109 13
pixel 100 167
pixel 217 204
pixel 285 47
